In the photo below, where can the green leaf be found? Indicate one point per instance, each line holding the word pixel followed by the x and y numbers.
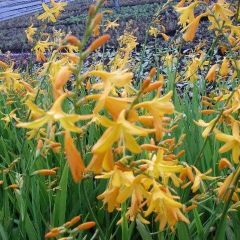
pixel 144 232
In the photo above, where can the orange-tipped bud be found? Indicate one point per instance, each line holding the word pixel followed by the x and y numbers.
pixel 224 163
pixel 180 154
pixel 149 147
pixel 73 40
pixel 152 72
pixel 208 111
pixel 39 144
pixel 211 75
pixel 74 158
pixel 1 182
pixel 146 83
pixel 75 220
pixel 97 20
pixel 143 167
pixel 13 186
pixel 92 10
pixel 98 42
pixel 153 86
pixel 44 172
pixel 53 233
pixel 62 77
pixel 190 174
pixel 189 208
pixel 55 145
pixel 165 36
pixel 85 226
pixel 206 103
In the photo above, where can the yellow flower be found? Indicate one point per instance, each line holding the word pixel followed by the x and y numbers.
pixel 10 117
pixel 48 13
pixel 224 69
pixel 52 13
pixel 163 204
pixel 191 29
pixel 211 75
pixel 225 187
pixel 30 31
pixel 158 167
pixel 199 177
pixel 120 130
pixel 111 25
pixel 110 81
pixel 158 107
pixel 54 114
pixel 153 31
pixel 113 105
pixel 40 49
pixel 101 161
pixel 208 126
pixel 186 13
pixel 10 79
pixel 232 142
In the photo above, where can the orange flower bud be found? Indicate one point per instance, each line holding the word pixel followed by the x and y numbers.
pixel 97 20
pixel 92 10
pixel 224 163
pixel 180 154
pixel 208 111
pixel 44 172
pixel 55 145
pixel 13 186
pixel 165 36
pixel 98 42
pixel 62 77
pixel 39 144
pixel 191 207
pixel 152 72
pixel 153 86
pixel 211 75
pixel 146 83
pixel 75 220
pixel 1 182
pixel 206 103
pixel 53 233
pixel 85 226
pixel 149 147
pixel 190 174
pixel 143 167
pixel 73 40
pixel 74 158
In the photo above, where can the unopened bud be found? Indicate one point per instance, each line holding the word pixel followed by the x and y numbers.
pixel 62 77
pixel 53 233
pixel 152 72
pixel 224 163
pixel 97 20
pixel 153 86
pixel 91 11
pixel 98 42
pixel 208 111
pixel 85 226
pixel 73 40
pixel 44 172
pixel 146 83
